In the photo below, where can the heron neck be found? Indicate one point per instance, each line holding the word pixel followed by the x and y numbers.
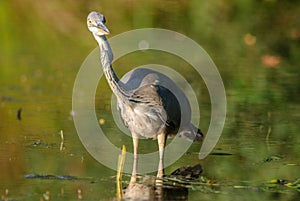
pixel 106 57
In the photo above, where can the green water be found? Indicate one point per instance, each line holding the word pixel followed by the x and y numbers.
pixel 255 46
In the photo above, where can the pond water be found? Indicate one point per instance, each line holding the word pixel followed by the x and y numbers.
pixel 258 154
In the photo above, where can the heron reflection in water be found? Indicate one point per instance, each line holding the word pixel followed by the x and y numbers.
pixel 147 107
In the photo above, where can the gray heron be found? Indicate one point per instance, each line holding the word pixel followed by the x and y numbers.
pixel 150 103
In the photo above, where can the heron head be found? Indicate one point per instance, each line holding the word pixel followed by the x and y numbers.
pixel 95 23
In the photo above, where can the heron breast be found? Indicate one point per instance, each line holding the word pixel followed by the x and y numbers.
pixel 142 120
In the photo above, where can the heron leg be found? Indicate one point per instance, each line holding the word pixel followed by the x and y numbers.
pixel 135 158
pixel 161 139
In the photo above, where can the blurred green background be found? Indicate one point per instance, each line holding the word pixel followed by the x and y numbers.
pixel 255 45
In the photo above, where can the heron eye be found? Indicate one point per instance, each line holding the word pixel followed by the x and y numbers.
pixel 90 21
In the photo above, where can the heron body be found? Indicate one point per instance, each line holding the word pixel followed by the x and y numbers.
pixel 174 101
pixel 146 115
pixel 150 103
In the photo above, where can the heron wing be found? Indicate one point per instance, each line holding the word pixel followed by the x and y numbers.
pixel 149 101
pixel 161 102
pixel 149 110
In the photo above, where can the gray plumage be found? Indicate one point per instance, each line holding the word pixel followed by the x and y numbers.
pixel 150 103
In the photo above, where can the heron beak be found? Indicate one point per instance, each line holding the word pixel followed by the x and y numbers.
pixel 102 29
